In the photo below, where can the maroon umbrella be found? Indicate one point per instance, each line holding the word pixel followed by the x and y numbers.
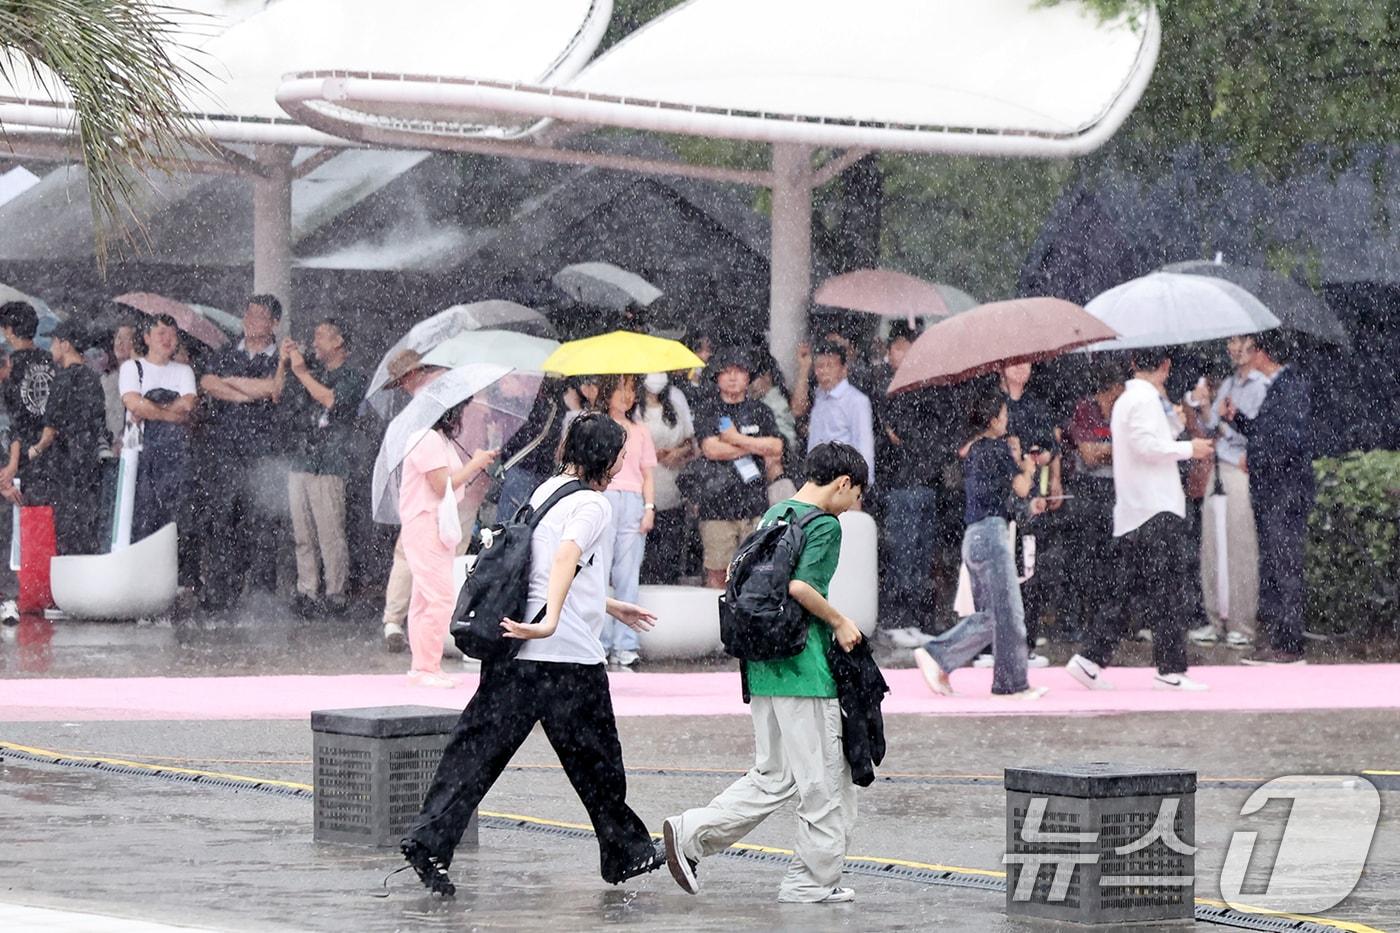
pixel 186 318
pixel 992 336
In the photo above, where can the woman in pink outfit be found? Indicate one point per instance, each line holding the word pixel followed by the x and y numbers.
pixel 427 470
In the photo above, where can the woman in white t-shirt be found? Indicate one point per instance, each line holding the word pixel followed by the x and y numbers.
pixel 159 395
pixel 559 679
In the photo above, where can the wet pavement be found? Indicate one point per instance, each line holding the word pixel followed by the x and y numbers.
pixel 180 853
pixel 177 853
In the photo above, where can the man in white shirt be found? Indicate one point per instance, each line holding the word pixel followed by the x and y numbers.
pixel 840 412
pixel 1149 530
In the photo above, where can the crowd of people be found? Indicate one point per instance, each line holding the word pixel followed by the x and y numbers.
pixel 1078 517
pixel 213 427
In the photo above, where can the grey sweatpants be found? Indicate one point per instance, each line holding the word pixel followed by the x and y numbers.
pixel 797 750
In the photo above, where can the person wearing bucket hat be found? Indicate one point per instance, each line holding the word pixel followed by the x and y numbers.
pixel 74 434
pixel 742 446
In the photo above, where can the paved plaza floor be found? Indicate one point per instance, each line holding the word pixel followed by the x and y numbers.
pixel 89 849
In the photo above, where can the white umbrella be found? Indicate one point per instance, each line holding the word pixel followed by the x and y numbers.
pixel 427 334
pixel 228 323
pixel 604 285
pixel 1168 309
pixel 501 400
pixel 506 348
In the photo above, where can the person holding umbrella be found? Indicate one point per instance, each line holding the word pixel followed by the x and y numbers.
pixel 433 471
pixel 994 479
pixel 632 495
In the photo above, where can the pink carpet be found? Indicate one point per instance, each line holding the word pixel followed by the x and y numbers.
pixel 1339 686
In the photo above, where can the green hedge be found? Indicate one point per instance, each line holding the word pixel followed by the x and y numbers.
pixel 1354 545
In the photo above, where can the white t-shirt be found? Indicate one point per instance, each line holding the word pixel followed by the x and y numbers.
pixel 586 519
pixel 177 377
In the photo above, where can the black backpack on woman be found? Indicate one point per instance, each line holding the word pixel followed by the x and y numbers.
pixel 498 586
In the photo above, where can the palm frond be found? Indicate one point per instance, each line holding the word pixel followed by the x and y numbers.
pixel 115 60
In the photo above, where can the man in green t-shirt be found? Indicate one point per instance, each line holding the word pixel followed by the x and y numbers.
pixel 796 716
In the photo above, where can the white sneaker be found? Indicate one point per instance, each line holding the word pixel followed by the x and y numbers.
pixel 1177 682
pixel 1037 660
pixel 1030 693
pixel 394 639
pixel 1089 674
pixel 907 637
pixel 682 868
pixel 1238 640
pixel 1144 634
pixel 1205 635
pixel 625 658
pixel 431 679
pixel 984 660
pixel 1042 641
pixel 935 676
pixel 839 896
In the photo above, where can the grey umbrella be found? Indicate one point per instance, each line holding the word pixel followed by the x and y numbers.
pixel 604 285
pixel 1297 308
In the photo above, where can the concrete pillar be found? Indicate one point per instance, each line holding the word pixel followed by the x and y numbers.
pixel 790 282
pixel 272 227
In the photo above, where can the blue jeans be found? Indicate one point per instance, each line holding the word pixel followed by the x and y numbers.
pixel 911 529
pixel 629 546
pixel 516 487
pixel 1000 618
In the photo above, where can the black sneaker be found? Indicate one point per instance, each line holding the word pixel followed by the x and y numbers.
pixel 337 606
pixel 305 607
pixel 431 870
pixel 645 865
pixel 1269 657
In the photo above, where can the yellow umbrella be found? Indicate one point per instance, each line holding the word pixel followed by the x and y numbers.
pixel 620 352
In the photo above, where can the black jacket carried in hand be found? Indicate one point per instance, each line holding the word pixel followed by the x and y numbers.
pixel 860 689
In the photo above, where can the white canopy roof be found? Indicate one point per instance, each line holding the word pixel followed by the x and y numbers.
pixel 997 77
pixel 241 49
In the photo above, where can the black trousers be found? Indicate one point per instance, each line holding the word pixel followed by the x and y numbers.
pixel 1151 578
pixel 572 703
pixel 1088 555
pixel 664 559
pixel 1282 527
pixel 238 532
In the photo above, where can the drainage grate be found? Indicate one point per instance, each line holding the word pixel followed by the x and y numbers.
pixel 1222 916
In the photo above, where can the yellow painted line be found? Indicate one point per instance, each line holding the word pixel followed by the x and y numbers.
pixel 1346 925
pixel 242 778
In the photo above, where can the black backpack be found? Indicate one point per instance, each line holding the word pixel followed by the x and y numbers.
pixel 758 620
pixel 499 584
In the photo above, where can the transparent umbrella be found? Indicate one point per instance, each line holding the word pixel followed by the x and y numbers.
pixel 501 399
pixel 443 326
pixel 503 347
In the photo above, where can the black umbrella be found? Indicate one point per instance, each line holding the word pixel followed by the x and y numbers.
pixel 1297 308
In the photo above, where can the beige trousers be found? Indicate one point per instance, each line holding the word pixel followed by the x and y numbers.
pixel 797 752
pixel 318 527
pixel 1241 555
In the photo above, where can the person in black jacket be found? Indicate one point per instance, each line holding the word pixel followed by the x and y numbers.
pixel 1281 487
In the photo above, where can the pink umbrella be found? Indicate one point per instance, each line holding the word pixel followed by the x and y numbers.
pixel 186 318
pixel 892 294
pixel 996 335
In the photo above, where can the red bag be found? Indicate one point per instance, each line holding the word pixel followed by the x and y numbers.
pixel 37 546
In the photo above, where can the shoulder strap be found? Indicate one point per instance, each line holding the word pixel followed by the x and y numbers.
pixel 140 374
pixel 812 516
pixel 568 489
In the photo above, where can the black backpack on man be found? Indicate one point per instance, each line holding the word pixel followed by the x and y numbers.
pixel 758 620
pixel 498 586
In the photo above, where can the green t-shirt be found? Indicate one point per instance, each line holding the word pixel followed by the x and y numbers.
pixel 806 674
